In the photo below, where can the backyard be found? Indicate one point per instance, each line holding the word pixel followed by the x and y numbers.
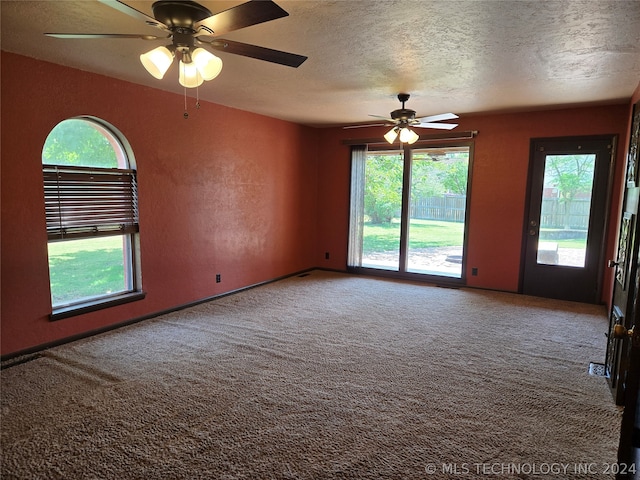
pixel 92 267
pixel 436 246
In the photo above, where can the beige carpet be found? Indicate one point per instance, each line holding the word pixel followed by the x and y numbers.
pixel 326 376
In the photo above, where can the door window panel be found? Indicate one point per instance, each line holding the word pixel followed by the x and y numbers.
pixel 382 210
pixel 566 209
pixel 437 210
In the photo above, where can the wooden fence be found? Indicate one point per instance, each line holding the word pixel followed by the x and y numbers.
pixel 448 208
pixel 451 208
pixel 557 214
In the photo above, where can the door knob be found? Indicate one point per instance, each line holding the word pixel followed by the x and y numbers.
pixel 620 331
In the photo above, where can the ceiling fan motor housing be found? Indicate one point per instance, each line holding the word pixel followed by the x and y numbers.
pixel 179 15
pixel 403 114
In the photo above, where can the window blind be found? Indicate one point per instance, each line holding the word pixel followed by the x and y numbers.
pixel 85 202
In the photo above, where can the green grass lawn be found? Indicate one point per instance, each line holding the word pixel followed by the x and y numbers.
pixel 580 243
pixel 424 234
pixel 93 267
pixel 86 268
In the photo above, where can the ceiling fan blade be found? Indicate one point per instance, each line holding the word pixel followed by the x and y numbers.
pixel 241 16
pixel 104 35
pixel 368 125
pixel 254 51
pixel 441 126
pixel 132 12
pixel 384 118
pixel 437 118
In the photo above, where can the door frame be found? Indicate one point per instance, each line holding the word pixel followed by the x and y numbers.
pixel 624 294
pixel 624 381
pixel 401 273
pixel 534 145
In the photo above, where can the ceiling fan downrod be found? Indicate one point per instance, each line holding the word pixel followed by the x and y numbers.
pixel 403 97
pixel 403 115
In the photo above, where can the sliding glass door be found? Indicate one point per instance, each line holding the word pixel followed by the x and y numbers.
pixel 409 209
pixel 437 210
pixel 382 210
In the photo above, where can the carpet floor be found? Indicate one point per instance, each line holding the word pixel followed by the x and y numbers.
pixel 323 376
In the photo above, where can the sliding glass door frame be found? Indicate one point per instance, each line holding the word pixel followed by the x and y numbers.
pixel 405 216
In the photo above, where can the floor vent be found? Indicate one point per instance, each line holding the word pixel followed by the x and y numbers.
pixel 597 369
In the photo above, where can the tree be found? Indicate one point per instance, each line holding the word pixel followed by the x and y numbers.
pixel 383 187
pixel 77 142
pixel 425 177
pixel 434 176
pixel 430 176
pixel 572 175
pixel 454 179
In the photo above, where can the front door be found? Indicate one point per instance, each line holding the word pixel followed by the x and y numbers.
pixel 565 227
pixel 625 266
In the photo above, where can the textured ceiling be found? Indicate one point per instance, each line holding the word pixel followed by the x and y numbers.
pixel 452 56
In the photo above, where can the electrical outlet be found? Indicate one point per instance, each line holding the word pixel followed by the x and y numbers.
pixel 474 271
pixel 218 278
pixel 326 255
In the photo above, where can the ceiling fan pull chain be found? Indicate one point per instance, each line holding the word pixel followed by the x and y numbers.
pixel 185 114
pixel 197 97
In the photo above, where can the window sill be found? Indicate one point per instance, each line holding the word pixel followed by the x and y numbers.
pixel 95 305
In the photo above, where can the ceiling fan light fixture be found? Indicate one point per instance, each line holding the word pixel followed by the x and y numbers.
pixel 408 136
pixel 157 61
pixel 391 135
pixel 189 75
pixel 209 66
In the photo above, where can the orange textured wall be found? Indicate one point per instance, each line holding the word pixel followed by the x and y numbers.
pixel 225 191
pixel 498 185
pixel 231 192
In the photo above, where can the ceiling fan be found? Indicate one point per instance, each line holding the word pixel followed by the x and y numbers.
pixel 189 26
pixel 403 118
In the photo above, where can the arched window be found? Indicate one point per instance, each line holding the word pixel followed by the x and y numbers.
pixel 91 204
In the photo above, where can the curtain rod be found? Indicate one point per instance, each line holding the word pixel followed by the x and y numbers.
pixel 466 135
